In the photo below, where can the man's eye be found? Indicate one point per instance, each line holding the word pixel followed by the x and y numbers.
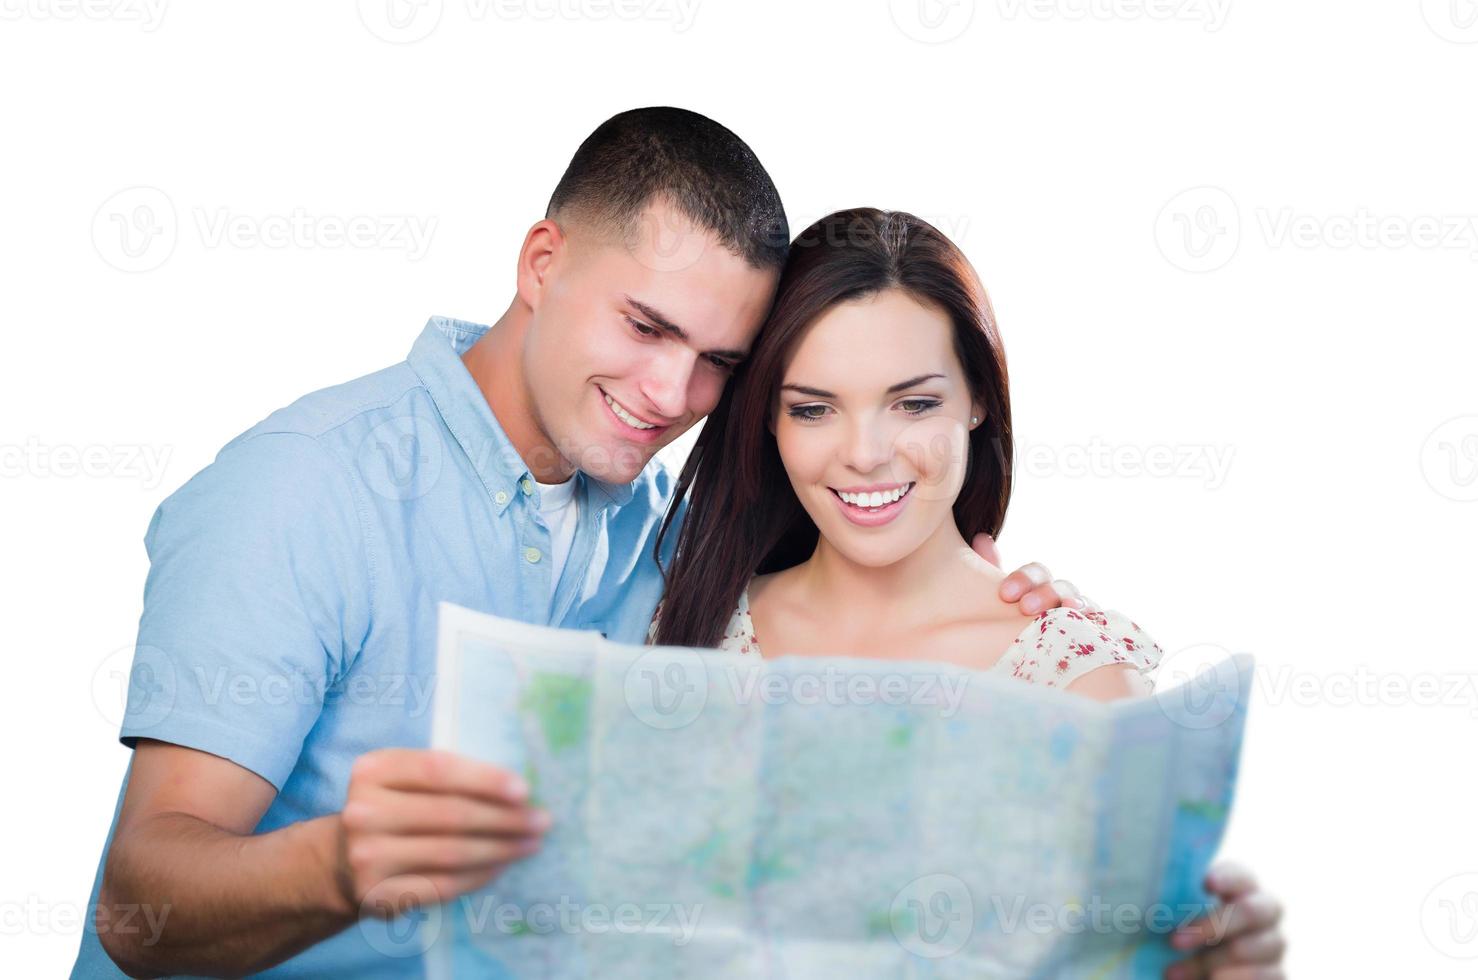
pixel 642 328
pixel 721 364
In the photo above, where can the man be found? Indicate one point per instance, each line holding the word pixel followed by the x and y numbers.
pixel 280 791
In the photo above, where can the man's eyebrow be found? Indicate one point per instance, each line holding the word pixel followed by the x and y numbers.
pixel 821 393
pixel 662 321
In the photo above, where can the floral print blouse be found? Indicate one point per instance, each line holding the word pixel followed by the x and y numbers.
pixel 1055 649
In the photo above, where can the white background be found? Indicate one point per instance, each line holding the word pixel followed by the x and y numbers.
pixel 1231 251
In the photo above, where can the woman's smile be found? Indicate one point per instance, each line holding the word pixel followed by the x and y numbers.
pixel 872 506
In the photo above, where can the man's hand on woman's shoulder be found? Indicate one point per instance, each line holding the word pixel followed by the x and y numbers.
pixel 1031 587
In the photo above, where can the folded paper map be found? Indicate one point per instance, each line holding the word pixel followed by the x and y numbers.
pixel 723 816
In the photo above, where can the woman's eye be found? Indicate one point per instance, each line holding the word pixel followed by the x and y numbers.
pixel 918 406
pixel 808 413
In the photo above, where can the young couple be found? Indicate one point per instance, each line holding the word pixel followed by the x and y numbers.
pixel 280 802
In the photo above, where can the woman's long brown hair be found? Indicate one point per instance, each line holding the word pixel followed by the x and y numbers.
pixel 743 517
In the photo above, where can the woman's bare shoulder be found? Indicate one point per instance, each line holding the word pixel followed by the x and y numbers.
pixel 977 590
pixel 775 586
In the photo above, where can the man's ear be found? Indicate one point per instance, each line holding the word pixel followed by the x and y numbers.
pixel 543 243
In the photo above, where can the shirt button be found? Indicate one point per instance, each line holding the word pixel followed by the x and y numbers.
pixel 527 485
pixel 532 554
pixel 501 497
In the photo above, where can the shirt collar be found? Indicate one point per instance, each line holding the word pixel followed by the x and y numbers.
pixel 436 357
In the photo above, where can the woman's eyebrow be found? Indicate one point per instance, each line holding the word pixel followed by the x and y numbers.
pixel 822 393
pixel 900 386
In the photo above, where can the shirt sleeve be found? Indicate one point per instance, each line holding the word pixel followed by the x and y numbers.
pixel 257 600
pixel 1140 647
pixel 1063 644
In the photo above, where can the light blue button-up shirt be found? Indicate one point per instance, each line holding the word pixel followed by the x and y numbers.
pixel 289 619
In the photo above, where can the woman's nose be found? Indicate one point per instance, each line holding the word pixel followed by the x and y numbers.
pixel 869 448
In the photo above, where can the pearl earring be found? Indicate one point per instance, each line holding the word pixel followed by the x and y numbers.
pixel 974 420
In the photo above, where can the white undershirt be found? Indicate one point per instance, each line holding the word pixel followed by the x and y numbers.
pixel 560 510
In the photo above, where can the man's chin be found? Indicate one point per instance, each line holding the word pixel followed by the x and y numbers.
pixel 614 464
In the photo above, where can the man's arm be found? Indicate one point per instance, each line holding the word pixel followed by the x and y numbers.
pixel 417 827
pixel 226 903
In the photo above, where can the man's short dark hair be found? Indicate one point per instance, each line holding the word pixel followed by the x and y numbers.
pixel 710 175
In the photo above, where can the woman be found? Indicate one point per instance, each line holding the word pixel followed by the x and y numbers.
pixel 837 484
pixel 867 440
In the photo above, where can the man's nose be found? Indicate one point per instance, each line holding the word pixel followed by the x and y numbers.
pixel 666 384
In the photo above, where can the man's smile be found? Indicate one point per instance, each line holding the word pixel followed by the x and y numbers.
pixel 633 426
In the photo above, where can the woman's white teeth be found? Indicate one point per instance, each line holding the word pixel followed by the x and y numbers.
pixel 626 416
pixel 876 498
